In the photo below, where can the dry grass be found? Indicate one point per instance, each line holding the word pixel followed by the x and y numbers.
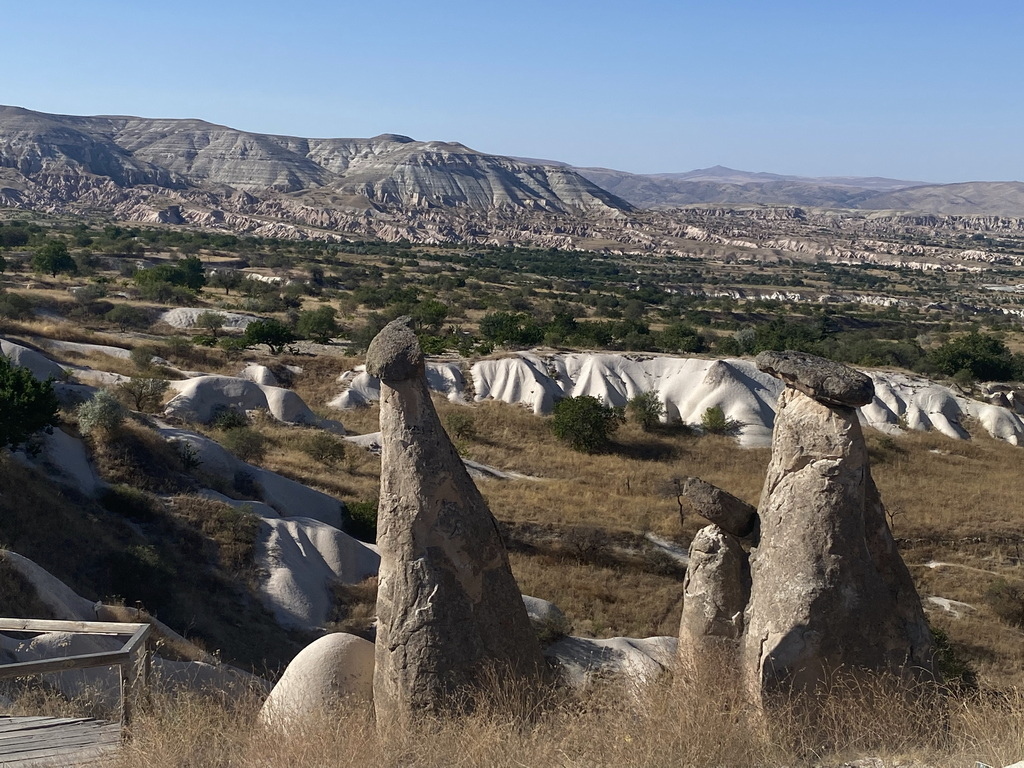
pixel 695 722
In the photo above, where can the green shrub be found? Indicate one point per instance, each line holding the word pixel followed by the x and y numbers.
pixel 14 306
pixel 585 423
pixel 129 502
pixel 228 418
pixel 324 448
pixel 361 521
pixel 142 356
pixel 100 414
pixel 245 443
pixel 714 422
pixel 125 316
pixel 460 425
pixel 645 409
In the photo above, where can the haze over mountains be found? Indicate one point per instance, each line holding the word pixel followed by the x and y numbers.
pixel 390 186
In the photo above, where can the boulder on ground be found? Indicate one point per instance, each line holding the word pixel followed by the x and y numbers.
pixel 329 670
pixel 449 610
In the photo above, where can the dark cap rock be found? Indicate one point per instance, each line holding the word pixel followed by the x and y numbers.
pixel 732 515
pixel 394 354
pixel 826 381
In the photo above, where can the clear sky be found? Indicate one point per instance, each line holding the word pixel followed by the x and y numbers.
pixel 912 89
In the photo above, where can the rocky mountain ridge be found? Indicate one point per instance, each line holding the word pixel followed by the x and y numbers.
pixel 59 159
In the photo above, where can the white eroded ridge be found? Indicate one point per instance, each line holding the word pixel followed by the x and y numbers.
pixel 688 386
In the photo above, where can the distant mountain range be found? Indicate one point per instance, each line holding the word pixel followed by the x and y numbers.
pixel 726 186
pixel 194 172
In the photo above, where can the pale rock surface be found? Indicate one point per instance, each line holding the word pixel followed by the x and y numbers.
pixel 326 672
pixel 448 606
pixel 185 317
pixel 640 661
pixel 259 374
pixel 362 388
pixel 715 595
pixel 829 590
pixel 200 399
pixel 301 560
pixel 40 365
pixel 58 345
pixel 64 459
pixel 289 498
pixel 520 380
pixel 689 386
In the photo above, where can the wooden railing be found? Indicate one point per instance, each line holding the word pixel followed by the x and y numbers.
pixel 132 660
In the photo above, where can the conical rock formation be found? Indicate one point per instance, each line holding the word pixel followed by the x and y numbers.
pixel 448 606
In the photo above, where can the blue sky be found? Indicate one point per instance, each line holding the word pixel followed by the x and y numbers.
pixel 930 91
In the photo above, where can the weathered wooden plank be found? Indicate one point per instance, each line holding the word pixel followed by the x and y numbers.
pixel 56 734
pixel 44 666
pixel 58 742
pixel 79 627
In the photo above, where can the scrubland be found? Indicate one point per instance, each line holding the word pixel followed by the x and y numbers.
pixel 577 531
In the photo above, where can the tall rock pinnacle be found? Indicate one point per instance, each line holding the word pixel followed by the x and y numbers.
pixel 448 606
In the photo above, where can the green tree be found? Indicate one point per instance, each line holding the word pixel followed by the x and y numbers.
pixel 430 314
pixel 273 333
pixel 225 278
pixel 52 258
pixel 318 324
pixel 984 357
pixel 144 393
pixel 210 321
pixel 26 405
pixel 645 409
pixel 585 423
pixel 125 316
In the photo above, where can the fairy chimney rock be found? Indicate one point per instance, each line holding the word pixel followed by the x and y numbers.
pixel 448 606
pixel 829 591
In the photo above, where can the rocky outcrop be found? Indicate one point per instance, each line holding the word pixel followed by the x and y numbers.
pixel 828 591
pixel 448 607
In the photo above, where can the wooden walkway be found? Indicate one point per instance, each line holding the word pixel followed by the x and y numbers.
pixel 56 741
